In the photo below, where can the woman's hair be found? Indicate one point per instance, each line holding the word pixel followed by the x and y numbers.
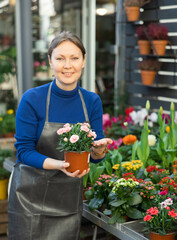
pixel 66 36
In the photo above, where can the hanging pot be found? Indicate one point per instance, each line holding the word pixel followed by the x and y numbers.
pixel 156 236
pixel 3 188
pixel 77 161
pixel 148 77
pixel 144 47
pixel 133 13
pixel 159 47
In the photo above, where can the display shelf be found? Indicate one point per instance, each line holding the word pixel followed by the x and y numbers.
pixel 132 230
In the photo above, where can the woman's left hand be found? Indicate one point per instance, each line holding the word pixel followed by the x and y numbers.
pixel 101 145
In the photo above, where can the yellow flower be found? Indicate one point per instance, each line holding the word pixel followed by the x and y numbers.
pixel 116 166
pixel 167 129
pixel 1 119
pixel 10 111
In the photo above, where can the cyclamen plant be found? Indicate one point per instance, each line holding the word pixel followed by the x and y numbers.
pixel 76 137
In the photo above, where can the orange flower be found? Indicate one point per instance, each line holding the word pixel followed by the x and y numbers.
pixel 129 139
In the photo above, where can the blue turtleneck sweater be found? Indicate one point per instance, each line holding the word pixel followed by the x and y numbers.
pixel 65 107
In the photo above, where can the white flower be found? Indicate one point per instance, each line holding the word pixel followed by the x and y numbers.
pixel 153 117
pixel 169 201
pixel 151 140
pixel 150 124
pixel 163 205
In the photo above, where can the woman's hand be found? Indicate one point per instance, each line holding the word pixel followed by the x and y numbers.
pixel 53 164
pixel 99 147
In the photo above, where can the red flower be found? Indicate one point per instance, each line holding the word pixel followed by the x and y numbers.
pixel 163 192
pixel 153 211
pixel 147 218
pixel 129 110
pixel 172 213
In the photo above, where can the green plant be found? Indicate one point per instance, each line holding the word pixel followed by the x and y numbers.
pixel 8 122
pixel 161 219
pixel 76 137
pixel 124 200
pixel 132 3
pixel 4 174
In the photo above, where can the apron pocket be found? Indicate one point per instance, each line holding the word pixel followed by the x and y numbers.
pixel 63 197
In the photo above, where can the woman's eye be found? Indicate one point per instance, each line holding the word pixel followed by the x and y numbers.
pixel 75 58
pixel 60 59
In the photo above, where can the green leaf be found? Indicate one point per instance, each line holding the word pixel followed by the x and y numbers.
pixel 88 194
pixel 134 150
pixel 85 180
pixel 108 167
pixel 117 203
pixel 95 203
pixel 135 199
pixel 134 213
pixel 107 212
pixel 115 216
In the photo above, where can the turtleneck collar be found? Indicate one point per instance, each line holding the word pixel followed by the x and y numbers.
pixel 60 92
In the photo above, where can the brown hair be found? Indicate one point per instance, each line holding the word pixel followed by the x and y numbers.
pixel 66 36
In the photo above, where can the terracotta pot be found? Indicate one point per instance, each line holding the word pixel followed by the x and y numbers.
pixel 160 47
pixel 133 13
pixel 156 236
pixel 144 47
pixel 78 161
pixel 148 77
pixel 3 188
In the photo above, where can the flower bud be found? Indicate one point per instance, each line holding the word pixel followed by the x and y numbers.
pixel 172 106
pixel 147 105
pixel 161 110
pixel 125 124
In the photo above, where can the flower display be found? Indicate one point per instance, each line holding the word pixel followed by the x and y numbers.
pixel 132 166
pixel 76 137
pixel 7 122
pixel 40 66
pixel 162 218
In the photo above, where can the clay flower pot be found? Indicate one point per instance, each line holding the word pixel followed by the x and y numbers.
pixel 77 161
pixel 148 77
pixel 159 47
pixel 132 13
pixel 144 47
pixel 156 236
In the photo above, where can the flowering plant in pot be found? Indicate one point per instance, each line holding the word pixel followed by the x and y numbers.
pixel 40 68
pixel 158 34
pixel 143 43
pixel 132 8
pixel 8 123
pixel 161 219
pixel 148 68
pixel 76 141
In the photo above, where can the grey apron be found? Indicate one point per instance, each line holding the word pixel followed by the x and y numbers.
pixel 45 204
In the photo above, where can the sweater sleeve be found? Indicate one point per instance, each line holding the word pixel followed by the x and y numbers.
pixel 26 133
pixel 96 121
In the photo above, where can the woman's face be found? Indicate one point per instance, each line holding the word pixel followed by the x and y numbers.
pixel 67 62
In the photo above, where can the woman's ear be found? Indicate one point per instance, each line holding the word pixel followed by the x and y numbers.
pixel 49 61
pixel 84 60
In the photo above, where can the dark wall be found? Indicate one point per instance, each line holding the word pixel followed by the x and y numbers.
pixel 164 90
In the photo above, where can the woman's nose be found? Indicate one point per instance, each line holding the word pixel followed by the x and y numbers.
pixel 67 64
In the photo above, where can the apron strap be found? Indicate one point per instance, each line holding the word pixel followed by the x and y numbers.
pixel 84 106
pixel 48 102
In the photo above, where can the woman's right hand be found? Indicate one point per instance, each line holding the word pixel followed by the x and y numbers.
pixel 53 164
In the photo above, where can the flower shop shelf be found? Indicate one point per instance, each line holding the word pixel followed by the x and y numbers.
pixel 132 230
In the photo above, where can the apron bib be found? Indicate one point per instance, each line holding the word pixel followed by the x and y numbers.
pixel 45 204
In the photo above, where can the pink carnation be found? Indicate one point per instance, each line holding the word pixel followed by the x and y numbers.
pixel 66 129
pixel 60 131
pixel 84 128
pixel 74 138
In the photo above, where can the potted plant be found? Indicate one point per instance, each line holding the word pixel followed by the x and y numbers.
pixel 76 141
pixel 148 68
pixel 158 34
pixel 143 42
pixel 161 220
pixel 40 69
pixel 132 8
pixel 8 123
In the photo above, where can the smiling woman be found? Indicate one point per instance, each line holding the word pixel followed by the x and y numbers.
pixel 42 112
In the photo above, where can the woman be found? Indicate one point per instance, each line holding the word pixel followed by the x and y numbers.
pixel 45 199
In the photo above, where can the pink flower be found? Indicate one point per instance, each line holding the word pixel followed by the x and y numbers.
pixel 93 134
pixel 60 131
pixel 153 211
pixel 36 64
pixel 66 129
pixel 163 192
pixel 106 118
pixel 172 213
pixel 66 125
pixel 84 128
pixel 147 218
pixel 74 138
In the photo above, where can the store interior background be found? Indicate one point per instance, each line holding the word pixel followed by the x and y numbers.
pixel 49 17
